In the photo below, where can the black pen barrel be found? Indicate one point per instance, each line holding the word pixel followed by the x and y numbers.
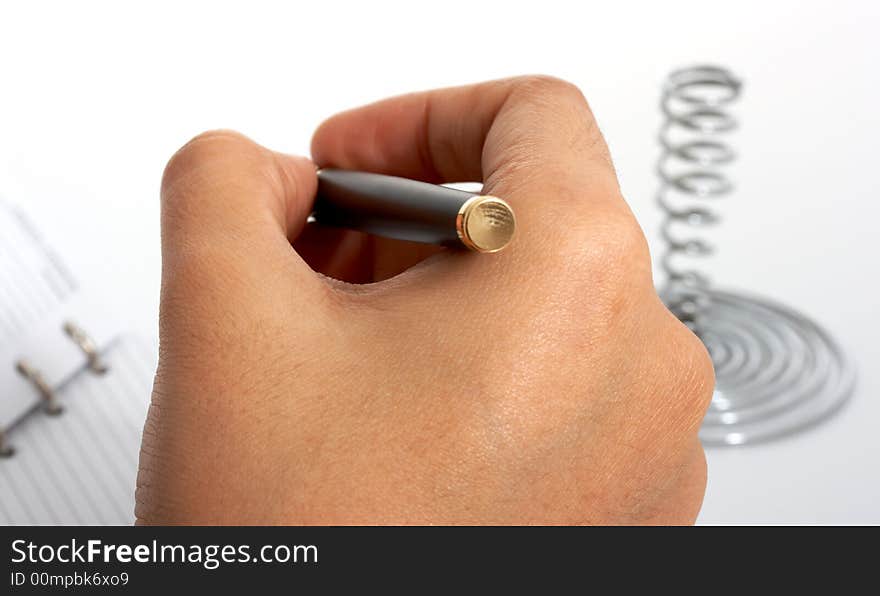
pixel 407 209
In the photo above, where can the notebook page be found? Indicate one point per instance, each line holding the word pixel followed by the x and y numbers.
pixel 81 466
pixel 78 467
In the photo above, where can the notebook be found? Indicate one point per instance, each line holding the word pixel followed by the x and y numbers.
pixel 74 390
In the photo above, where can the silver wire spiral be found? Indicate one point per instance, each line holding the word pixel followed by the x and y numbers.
pixel 776 370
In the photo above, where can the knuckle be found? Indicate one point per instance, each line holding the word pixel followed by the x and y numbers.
pixel 608 252
pixel 600 272
pixel 543 87
pixel 206 155
pixel 204 181
pixel 568 130
pixel 565 109
pixel 692 375
pixel 623 244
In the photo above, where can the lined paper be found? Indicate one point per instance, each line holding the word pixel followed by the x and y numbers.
pixel 81 467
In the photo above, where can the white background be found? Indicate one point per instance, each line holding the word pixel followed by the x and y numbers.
pixel 94 98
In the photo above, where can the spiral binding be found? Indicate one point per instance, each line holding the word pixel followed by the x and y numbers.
pixel 776 370
pixel 48 396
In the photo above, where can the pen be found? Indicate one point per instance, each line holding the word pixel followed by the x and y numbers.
pixel 407 209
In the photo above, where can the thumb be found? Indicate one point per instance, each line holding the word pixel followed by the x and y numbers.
pixel 230 208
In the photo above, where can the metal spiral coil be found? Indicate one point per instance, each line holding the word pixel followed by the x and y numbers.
pixel 691 170
pixel 776 370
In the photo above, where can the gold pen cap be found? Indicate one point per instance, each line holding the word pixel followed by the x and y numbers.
pixel 485 223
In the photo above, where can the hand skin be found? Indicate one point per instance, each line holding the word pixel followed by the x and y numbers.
pixel 546 384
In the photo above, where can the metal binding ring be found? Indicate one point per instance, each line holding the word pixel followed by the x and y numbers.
pixel 87 345
pixel 50 402
pixel 6 450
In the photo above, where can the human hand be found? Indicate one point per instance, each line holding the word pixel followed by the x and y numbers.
pixel 543 384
